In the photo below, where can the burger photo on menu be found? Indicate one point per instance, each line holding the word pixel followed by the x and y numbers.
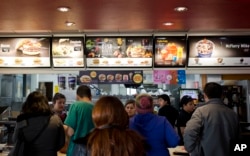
pixel 139 48
pixel 85 79
pixel 29 46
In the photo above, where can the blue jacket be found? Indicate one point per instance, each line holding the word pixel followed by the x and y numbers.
pixel 157 131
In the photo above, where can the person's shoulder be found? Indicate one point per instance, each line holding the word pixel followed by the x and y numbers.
pixel 82 104
pixel 158 117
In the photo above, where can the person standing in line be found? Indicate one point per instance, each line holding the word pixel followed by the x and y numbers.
pixel 157 130
pixel 130 107
pixel 79 122
pixel 212 127
pixel 187 108
pixel 167 110
pixel 111 136
pixel 40 129
pixel 59 101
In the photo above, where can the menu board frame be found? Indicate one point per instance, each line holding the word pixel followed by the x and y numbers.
pixel 227 51
pixel 25 52
pixel 170 51
pixel 118 57
pixel 68 52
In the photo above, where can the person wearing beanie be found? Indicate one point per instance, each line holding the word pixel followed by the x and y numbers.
pixel 157 130
pixel 166 109
pixel 187 108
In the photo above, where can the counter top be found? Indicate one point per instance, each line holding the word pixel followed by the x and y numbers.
pixel 172 151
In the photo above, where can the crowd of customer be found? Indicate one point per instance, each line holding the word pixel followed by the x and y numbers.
pixel 110 127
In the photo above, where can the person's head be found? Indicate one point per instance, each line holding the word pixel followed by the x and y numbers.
pixel 59 102
pixel 111 135
pixel 212 90
pixel 83 92
pixel 187 103
pixel 36 102
pixel 130 107
pixel 163 100
pixel 109 110
pixel 144 104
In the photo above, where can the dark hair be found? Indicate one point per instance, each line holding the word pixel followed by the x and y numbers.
pixel 130 101
pixel 213 90
pixel 58 96
pixel 185 100
pixel 111 135
pixel 165 97
pixel 83 91
pixel 36 102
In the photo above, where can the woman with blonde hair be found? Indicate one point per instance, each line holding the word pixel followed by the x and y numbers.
pixel 111 136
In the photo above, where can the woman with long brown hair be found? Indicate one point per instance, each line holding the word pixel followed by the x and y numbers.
pixel 111 136
pixel 37 128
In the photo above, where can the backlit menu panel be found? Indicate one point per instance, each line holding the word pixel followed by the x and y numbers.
pixel 67 52
pixel 119 51
pixel 219 51
pixel 170 51
pixel 25 52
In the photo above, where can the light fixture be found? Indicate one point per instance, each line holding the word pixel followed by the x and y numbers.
pixel 63 9
pixel 181 9
pixel 168 23
pixel 69 24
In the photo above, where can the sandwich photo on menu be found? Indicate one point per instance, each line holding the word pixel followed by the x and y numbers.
pixel 25 52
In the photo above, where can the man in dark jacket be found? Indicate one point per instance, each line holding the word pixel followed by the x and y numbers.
pixel 212 126
pixel 166 109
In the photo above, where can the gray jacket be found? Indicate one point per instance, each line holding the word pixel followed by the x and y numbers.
pixel 211 129
pixel 50 140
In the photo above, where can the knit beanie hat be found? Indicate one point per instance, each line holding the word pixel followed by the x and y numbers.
pixel 144 104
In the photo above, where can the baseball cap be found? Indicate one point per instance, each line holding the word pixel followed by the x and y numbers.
pixel 186 99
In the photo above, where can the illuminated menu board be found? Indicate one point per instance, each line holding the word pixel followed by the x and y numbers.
pixel 67 52
pixel 170 51
pixel 119 51
pixel 219 51
pixel 25 52
pixel 111 77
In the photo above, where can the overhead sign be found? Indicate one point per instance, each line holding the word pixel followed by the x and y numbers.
pixel 111 77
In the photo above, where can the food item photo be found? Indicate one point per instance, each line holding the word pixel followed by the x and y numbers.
pixel 205 48
pixel 85 79
pixel 29 47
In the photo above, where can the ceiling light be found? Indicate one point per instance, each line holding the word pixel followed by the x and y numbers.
pixel 181 9
pixel 63 9
pixel 168 23
pixel 69 24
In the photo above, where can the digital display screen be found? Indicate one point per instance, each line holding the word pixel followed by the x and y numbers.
pixel 170 51
pixel 67 52
pixel 25 52
pixel 119 51
pixel 194 93
pixel 219 51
